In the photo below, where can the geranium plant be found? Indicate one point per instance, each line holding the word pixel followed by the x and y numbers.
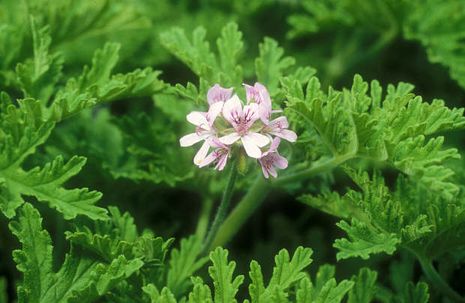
pixel 199 154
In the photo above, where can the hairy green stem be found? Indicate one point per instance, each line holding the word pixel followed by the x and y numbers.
pixel 314 170
pixel 253 199
pixel 202 224
pixel 257 194
pixel 437 281
pixel 222 209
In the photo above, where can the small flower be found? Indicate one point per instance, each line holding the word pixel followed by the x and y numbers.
pixel 242 120
pixel 218 94
pixel 219 156
pixel 272 160
pixel 259 94
pixel 204 130
pixel 279 128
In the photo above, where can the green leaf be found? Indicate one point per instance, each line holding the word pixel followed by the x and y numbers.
pixel 415 293
pixel 184 262
pixel 304 291
pixel 155 296
pixel 257 287
pixel 364 287
pixel 22 130
pixel 443 40
pixel 326 288
pixel 103 63
pixel 82 277
pixel 34 260
pixel 201 293
pixel 222 67
pixel 102 280
pixel 75 24
pixel 97 84
pixel 17 142
pixel 364 241
pixel 394 128
pixel 230 47
pixel 195 53
pixel 333 292
pixel 270 64
pixel 45 184
pixel 39 75
pixel 3 293
pixel 328 115
pixel 413 155
pixel 288 271
pixel 329 202
pixel 119 237
pixel 152 154
pixel 222 273
pixel 401 271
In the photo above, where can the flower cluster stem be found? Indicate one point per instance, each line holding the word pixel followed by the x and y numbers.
pixel 222 209
pixel 437 281
pixel 251 201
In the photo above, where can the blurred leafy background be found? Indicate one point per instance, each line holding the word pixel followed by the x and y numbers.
pixel 139 167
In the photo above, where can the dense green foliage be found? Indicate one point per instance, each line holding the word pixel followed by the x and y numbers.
pixel 94 94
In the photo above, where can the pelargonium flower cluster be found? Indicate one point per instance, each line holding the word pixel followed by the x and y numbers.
pixel 229 123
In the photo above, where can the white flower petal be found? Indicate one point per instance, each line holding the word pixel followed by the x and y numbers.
pixel 214 111
pixel 190 139
pixel 259 139
pixel 273 171
pixel 202 153
pixel 251 147
pixel 251 113
pixel 197 118
pixel 232 109
pixel 230 139
pixel 274 145
pixel 286 134
pixel 209 159
pixel 265 171
pixel 280 162
pixel 264 113
pixel 217 93
pixel 279 123
pixel 222 162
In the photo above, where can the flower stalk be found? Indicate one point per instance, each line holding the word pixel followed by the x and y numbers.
pixel 222 210
pixel 437 281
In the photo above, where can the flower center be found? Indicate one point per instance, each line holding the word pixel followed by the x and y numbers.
pixel 268 161
pixel 200 130
pixel 243 123
pixel 219 154
pixel 242 127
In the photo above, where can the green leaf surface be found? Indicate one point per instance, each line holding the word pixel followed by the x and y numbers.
pixel 363 241
pixel 222 273
pixel 184 262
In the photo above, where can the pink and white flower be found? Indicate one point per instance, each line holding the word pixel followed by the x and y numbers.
pixel 218 94
pixel 219 156
pixel 272 160
pixel 279 128
pixel 204 130
pixel 259 94
pixel 229 123
pixel 242 120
